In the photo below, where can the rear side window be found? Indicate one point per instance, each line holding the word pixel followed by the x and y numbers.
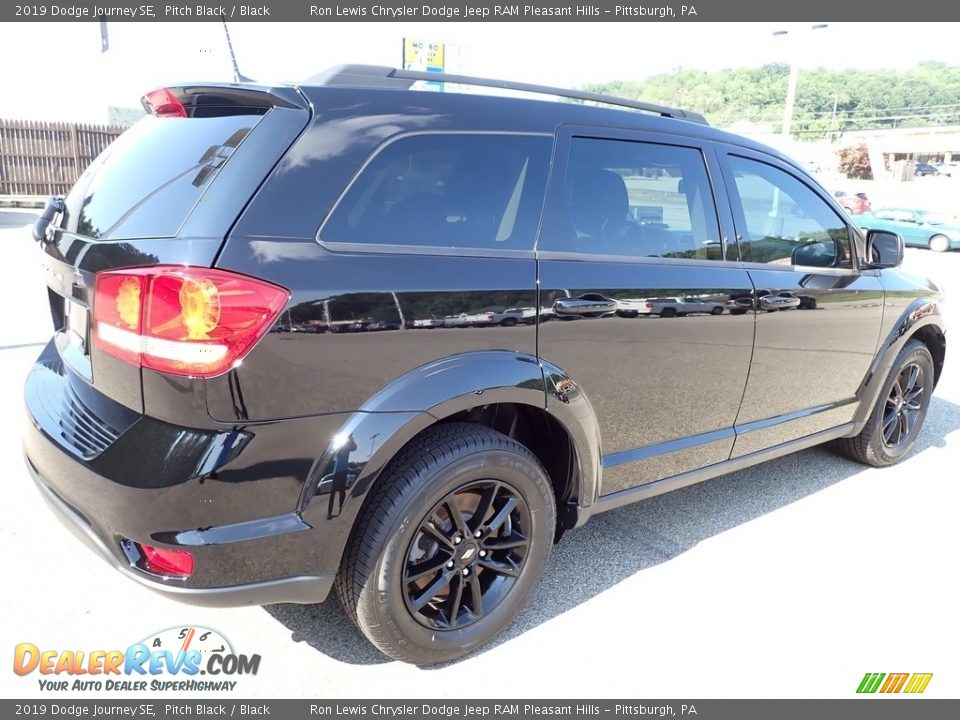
pixel 638 199
pixel 447 191
pixel 147 182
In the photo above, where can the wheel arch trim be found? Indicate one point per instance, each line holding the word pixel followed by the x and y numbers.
pixel 921 313
pixel 355 458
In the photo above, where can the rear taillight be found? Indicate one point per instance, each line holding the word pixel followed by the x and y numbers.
pixel 181 320
pixel 649 306
pixel 170 563
pixel 163 103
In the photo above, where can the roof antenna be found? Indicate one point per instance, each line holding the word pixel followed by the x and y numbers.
pixel 237 77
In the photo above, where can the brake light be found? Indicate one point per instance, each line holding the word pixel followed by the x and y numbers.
pixel 171 563
pixel 649 306
pixel 181 320
pixel 163 103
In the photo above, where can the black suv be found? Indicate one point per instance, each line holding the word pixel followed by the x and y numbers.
pixel 275 369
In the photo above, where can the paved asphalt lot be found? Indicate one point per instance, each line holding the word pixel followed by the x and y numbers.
pixel 791 579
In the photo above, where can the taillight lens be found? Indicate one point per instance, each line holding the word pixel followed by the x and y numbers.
pixel 160 561
pixel 649 306
pixel 163 103
pixel 180 320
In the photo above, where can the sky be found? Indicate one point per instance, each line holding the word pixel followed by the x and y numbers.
pixel 64 76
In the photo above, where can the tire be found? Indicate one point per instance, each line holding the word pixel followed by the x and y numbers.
pixel 508 322
pixel 464 465
pixel 939 243
pixel 870 446
pixel 717 310
pixel 668 313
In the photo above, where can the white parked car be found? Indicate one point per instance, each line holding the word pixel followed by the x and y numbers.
pixel 680 306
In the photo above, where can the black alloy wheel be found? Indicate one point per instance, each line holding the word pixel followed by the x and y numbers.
pixel 897 415
pixel 466 555
pixel 449 545
pixel 903 407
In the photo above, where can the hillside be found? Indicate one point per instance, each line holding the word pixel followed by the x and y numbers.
pixel 827 102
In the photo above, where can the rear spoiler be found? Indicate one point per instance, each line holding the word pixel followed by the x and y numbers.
pixel 219 99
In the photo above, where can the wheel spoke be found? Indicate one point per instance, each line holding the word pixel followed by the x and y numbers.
pixel 432 590
pixel 914 374
pixel 888 427
pixel 476 595
pixel 487 497
pixel 502 514
pixel 508 568
pixel 897 390
pixel 897 433
pixel 453 510
pixel 913 394
pixel 453 606
pixel 433 531
pixel 513 541
pixel 889 419
pixel 425 568
pixel 906 423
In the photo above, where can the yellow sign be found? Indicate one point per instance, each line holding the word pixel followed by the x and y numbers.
pixel 422 55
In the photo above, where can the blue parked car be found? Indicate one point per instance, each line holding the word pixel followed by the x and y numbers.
pixel 918 228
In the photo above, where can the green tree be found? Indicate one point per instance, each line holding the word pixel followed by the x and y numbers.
pixel 828 102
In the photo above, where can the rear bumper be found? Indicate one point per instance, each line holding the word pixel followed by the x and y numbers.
pixel 301 589
pixel 229 496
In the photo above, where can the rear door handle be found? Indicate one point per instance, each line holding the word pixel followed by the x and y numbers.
pixel 579 306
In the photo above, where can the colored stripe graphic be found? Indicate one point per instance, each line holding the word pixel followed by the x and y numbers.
pixel 870 682
pixel 894 682
pixel 918 683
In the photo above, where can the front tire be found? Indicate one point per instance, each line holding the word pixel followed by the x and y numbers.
pixel 901 408
pixel 450 544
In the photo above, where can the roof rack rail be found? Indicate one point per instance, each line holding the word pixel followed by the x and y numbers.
pixel 388 77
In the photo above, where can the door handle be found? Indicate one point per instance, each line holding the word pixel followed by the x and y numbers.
pixel 778 302
pixel 579 306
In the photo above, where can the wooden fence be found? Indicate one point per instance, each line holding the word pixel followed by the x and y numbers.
pixel 40 158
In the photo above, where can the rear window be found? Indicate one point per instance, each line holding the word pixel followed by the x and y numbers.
pixel 447 191
pixel 146 183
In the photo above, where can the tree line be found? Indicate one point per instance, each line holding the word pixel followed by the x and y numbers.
pixel 828 102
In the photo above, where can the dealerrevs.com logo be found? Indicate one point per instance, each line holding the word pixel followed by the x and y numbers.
pixel 171 660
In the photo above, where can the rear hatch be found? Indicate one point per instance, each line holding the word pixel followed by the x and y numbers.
pixel 166 191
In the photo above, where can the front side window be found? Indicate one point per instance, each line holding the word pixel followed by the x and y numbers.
pixel 786 223
pixel 636 198
pixel 447 191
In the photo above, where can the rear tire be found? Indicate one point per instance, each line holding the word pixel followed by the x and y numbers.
pixel 898 416
pixel 450 544
pixel 717 310
pixel 939 243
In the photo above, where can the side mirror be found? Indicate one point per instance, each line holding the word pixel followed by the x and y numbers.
pixel 884 249
pixel 822 253
pixel 50 215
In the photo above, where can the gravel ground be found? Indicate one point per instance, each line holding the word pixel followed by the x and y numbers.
pixel 791 579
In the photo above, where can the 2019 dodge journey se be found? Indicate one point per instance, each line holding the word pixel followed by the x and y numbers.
pixel 424 468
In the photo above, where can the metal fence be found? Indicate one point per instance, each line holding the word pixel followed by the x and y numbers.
pixel 40 158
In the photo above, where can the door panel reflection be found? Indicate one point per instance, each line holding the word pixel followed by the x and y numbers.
pixel 339 341
pixel 656 349
pixel 816 337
